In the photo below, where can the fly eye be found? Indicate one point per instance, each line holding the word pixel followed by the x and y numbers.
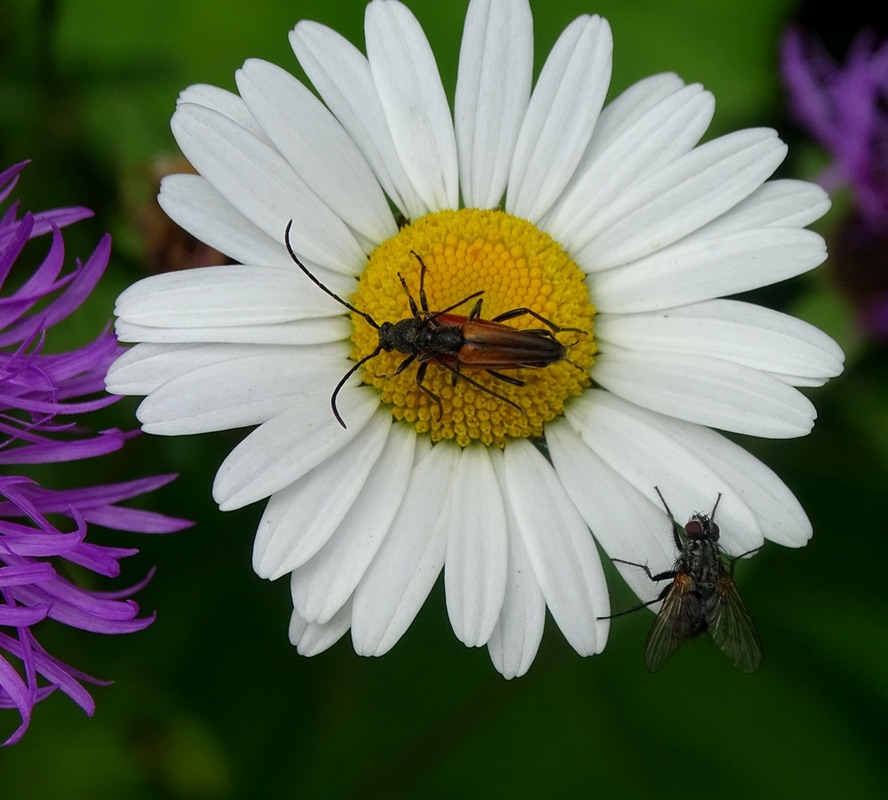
pixel 694 527
pixel 713 530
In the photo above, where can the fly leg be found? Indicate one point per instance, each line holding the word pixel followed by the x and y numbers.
pixel 657 599
pixel 732 560
pixel 679 545
pixel 660 576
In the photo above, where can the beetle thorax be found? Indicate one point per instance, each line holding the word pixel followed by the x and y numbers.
pixel 417 336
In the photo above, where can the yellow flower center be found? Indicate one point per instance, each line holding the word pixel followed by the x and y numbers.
pixel 515 266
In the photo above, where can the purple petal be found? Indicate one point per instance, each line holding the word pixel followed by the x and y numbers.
pixel 9 178
pixel 16 617
pixel 135 520
pixel 45 221
pixel 42 400
pixel 11 245
pixel 30 573
pixel 14 694
pixel 106 442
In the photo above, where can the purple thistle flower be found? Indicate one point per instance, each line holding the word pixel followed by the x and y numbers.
pixel 43 531
pixel 845 108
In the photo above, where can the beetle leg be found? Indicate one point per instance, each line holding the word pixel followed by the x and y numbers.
pixel 466 299
pixel 455 373
pixel 507 378
pixel 413 308
pixel 402 366
pixel 481 387
pixel 420 377
pixel 476 310
pixel 521 312
pixel 423 300
pixel 543 332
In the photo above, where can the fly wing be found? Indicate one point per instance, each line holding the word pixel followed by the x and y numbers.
pixel 731 626
pixel 674 623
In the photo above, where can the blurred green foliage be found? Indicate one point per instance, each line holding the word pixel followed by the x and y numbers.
pixel 212 701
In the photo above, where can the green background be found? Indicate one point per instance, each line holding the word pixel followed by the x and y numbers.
pixel 213 702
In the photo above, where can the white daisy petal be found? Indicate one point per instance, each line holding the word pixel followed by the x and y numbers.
pixel 775 204
pixel 662 134
pixel 777 512
pixel 145 367
pixel 341 74
pixel 561 117
pixel 414 102
pixel 301 332
pixel 698 268
pixel 492 92
pixel 287 446
pixel 632 104
pixel 651 450
pixel 682 197
pixel 402 574
pixel 259 182
pixel 226 103
pixel 224 296
pixel 299 519
pixel 475 575
pixel 625 523
pixel 516 638
pixel 236 393
pixel 692 465
pixel 311 638
pixel 558 546
pixel 621 118
pixel 198 208
pixel 747 334
pixel 323 584
pixel 800 381
pixel 317 147
pixel 707 391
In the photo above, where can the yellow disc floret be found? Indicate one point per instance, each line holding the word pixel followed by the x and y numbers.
pixel 514 265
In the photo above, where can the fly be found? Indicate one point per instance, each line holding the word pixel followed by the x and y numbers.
pixel 702 596
pixel 454 341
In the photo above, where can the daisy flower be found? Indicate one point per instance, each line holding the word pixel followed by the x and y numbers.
pixel 43 531
pixel 610 221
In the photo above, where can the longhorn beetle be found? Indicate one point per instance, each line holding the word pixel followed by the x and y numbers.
pixel 454 341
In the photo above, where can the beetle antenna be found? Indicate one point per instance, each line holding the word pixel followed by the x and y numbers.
pixel 323 288
pixel 344 378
